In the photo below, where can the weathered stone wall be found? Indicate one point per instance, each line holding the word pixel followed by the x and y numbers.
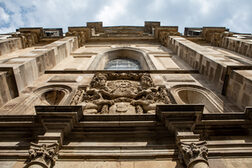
pixel 241 46
pixel 207 61
pixel 10 45
pixel 215 35
pixel 213 163
pixel 104 164
pixel 28 67
pixel 52 107
pixel 213 65
pixel 239 87
pixel 230 163
pixel 5 91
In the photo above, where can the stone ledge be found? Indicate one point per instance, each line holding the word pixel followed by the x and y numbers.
pixel 10 45
pixel 241 46
pixel 172 71
pixel 239 87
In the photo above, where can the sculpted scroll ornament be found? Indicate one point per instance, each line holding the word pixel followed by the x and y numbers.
pixel 43 155
pixel 192 152
pixel 117 92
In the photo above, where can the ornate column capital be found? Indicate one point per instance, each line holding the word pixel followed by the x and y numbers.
pixel 193 152
pixel 42 155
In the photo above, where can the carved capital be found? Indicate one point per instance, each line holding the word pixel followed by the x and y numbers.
pixel 42 155
pixel 190 153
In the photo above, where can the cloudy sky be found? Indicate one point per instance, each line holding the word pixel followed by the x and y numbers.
pixel 234 14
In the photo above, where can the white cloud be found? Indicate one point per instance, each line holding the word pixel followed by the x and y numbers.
pixel 4 17
pixel 7 29
pixel 206 6
pixel 63 13
pixel 157 5
pixel 113 12
pixel 239 22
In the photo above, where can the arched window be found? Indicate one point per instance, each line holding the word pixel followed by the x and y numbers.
pixel 123 64
pixel 122 59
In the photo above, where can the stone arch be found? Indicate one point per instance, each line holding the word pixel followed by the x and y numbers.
pixel 194 94
pixel 54 94
pixel 123 52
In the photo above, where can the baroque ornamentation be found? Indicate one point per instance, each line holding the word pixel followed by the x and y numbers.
pixel 43 155
pixel 80 32
pixel 192 152
pixel 121 93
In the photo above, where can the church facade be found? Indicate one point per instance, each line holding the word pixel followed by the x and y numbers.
pixel 125 97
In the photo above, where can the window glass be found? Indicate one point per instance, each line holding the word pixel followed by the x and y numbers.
pixel 123 64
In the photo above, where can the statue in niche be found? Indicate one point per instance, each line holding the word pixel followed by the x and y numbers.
pixel 128 93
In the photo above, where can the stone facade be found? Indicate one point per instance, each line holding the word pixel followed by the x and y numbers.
pixel 188 104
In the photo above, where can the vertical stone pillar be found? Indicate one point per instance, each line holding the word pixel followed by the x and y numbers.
pixel 194 154
pixel 57 122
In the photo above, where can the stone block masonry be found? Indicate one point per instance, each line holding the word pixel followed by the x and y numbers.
pixel 28 67
pixel 213 65
pixel 10 45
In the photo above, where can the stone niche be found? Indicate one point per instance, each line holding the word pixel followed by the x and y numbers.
pixel 121 93
pixel 53 94
pixel 193 94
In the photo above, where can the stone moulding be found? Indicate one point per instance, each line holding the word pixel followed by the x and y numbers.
pixel 167 115
pixel 173 71
pixel 192 117
pixel 187 112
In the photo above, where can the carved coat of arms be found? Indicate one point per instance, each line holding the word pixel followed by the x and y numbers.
pixel 130 93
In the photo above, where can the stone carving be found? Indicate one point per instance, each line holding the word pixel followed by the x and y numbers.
pixel 81 33
pixel 78 97
pixel 43 155
pixel 121 93
pixel 164 36
pixel 27 39
pixel 193 152
pixel 215 35
pixel 28 36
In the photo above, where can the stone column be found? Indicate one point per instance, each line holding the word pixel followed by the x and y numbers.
pixel 194 154
pixel 42 155
pixel 57 122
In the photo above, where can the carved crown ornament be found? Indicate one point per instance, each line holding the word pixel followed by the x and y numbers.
pixel 43 155
pixel 128 93
pixel 192 152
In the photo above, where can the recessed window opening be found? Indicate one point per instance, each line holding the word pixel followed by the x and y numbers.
pixel 123 64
